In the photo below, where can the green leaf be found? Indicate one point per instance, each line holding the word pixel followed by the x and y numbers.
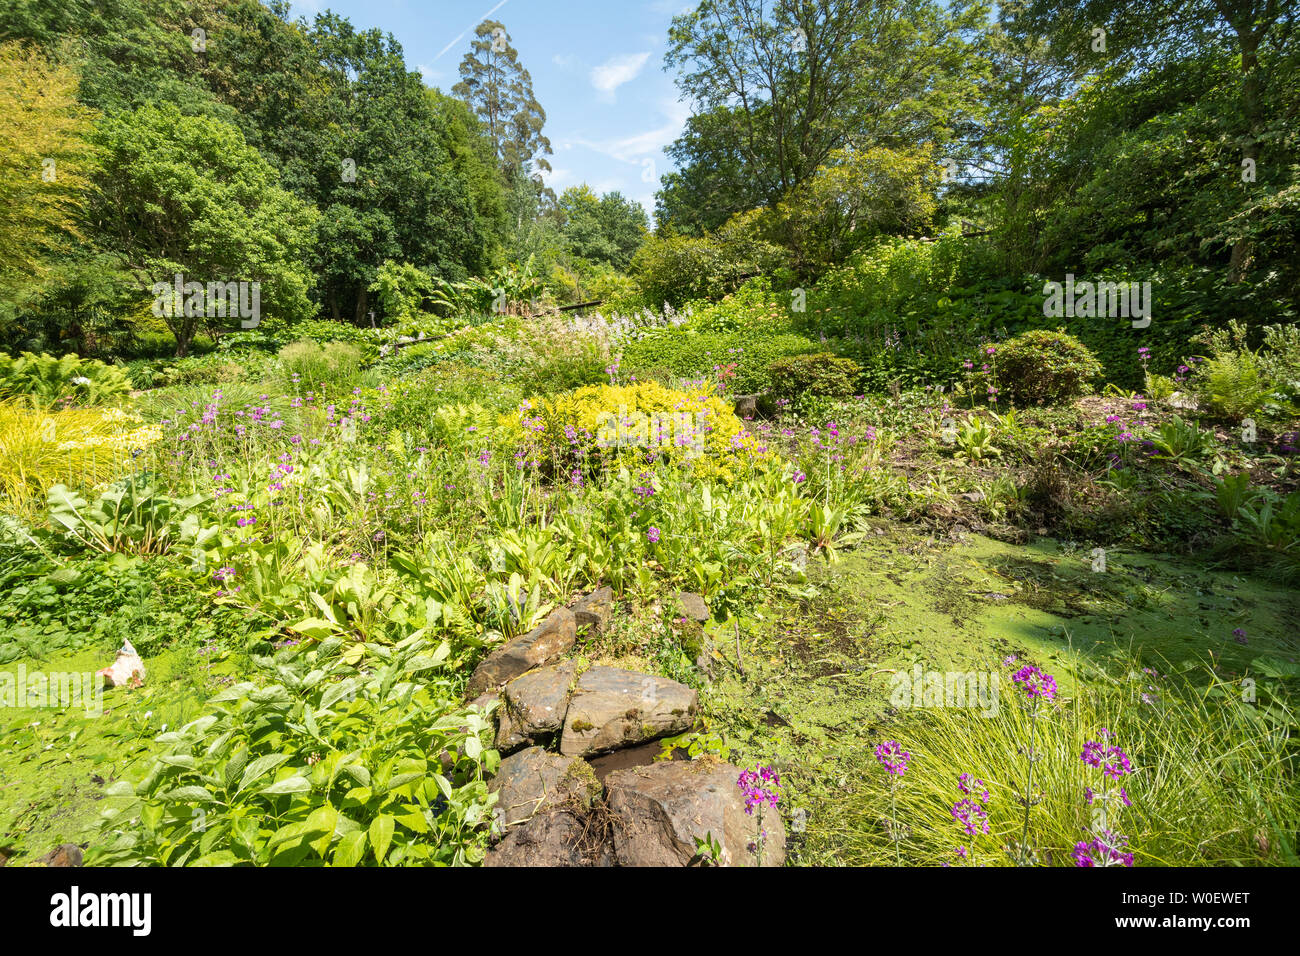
pixel 323 819
pixel 381 835
pixel 351 849
pixel 287 786
pixel 260 768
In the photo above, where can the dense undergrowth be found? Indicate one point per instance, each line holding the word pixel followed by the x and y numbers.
pixel 344 532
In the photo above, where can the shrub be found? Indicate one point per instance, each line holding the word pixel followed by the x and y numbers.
pixel 80 447
pixel 1040 367
pixel 752 307
pixel 819 374
pixel 678 269
pixel 70 379
pixel 686 353
pixel 605 423
pixel 311 366
pixel 1212 781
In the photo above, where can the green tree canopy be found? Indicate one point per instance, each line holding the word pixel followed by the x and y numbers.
pixel 183 194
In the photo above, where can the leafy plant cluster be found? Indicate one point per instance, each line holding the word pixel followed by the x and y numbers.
pixel 69 380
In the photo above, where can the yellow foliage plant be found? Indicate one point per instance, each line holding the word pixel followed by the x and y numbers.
pixel 78 447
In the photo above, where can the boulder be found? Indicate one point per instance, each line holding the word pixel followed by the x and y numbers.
pixel 534 706
pixel 534 781
pixel 659 811
pixel 67 854
pixel 558 838
pixel 542 645
pixel 692 606
pixel 593 612
pixel 612 708
pixel 746 406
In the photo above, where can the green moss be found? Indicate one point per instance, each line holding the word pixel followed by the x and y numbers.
pixel 815 690
pixel 56 764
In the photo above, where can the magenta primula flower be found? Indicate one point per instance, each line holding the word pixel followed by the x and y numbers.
pixel 1095 754
pixel 893 757
pixel 966 784
pixel 972 816
pixel 1035 682
pixel 759 787
pixel 1104 850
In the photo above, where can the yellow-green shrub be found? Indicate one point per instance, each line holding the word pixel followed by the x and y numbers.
pixel 80 447
pixel 606 423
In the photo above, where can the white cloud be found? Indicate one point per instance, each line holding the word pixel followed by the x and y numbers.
pixel 616 71
pixel 429 74
pixel 565 61
pixel 558 178
pixel 632 149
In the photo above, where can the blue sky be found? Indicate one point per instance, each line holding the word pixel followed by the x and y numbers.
pixel 597 68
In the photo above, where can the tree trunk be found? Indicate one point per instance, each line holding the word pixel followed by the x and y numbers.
pixel 361 307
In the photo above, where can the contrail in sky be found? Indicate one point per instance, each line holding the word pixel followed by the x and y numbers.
pixel 470 27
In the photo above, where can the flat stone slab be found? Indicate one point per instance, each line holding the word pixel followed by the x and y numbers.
pixel 541 645
pixel 612 708
pixel 552 839
pixel 593 612
pixel 692 606
pixel 534 706
pixel 661 810
pixel 534 781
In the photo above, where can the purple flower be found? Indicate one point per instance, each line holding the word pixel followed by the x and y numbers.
pixel 1103 850
pixel 652 535
pixel 1036 683
pixel 893 757
pixel 759 787
pixel 972 816
pixel 1096 755
pixel 966 784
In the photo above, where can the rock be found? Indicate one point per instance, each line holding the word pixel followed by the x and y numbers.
pixel 559 838
pixel 534 706
pixel 593 612
pixel 746 406
pixel 797 555
pixel 541 645
pixel 68 854
pixel 613 708
pixel 534 781
pixel 692 606
pixel 659 811
pixel 126 671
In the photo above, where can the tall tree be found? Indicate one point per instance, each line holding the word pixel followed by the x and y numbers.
pixel 500 92
pixel 787 82
pixel 184 194
pixel 605 228
pixel 44 163
pixel 386 181
pixel 1145 33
